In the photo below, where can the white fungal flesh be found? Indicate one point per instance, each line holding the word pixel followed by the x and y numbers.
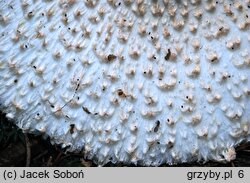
pixel 132 81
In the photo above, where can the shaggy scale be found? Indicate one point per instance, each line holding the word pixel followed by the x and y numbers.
pixel 134 81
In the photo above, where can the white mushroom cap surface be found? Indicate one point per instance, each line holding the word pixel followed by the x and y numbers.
pixel 132 81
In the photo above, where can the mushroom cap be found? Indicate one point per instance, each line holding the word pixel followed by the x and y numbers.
pixel 144 82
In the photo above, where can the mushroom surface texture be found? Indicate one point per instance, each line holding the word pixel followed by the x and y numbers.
pixel 141 82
